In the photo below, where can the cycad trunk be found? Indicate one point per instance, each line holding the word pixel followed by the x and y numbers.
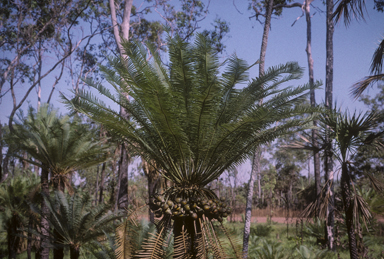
pixel 192 229
pixel 44 247
pixel 74 252
pixel 13 240
pixel 348 206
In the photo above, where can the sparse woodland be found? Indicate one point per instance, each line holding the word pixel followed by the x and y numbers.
pixel 145 161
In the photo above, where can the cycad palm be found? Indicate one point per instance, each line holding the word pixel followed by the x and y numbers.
pixel 76 222
pixel 60 144
pixel 192 120
pixel 14 210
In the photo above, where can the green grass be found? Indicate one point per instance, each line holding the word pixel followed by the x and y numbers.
pixel 289 242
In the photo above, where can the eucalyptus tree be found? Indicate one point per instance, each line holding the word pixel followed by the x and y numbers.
pixel 351 132
pixel 194 123
pixel 59 145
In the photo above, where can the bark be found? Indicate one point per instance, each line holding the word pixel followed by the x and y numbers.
pixel 44 248
pixel 122 199
pixel 348 207
pixel 187 225
pixel 122 184
pixel 97 184
pixel 13 239
pixel 248 208
pixel 29 240
pixel 1 151
pixel 257 155
pixel 74 252
pixel 316 155
pixel 102 181
pixel 328 103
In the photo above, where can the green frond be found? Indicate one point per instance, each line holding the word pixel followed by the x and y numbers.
pixel 194 120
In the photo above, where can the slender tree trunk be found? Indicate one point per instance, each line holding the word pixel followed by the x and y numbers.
pixel 97 184
pixel 328 103
pixel 29 240
pixel 316 155
pixel 44 247
pixel 248 208
pixel 1 152
pixel 5 172
pixel 102 181
pixel 122 200
pixel 257 156
pixel 348 206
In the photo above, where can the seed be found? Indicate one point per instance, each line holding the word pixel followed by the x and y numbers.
pixel 194 215
pixel 170 203
pixel 187 208
pixel 184 202
pixel 168 211
pixel 194 206
pixel 165 207
pixel 206 207
pixel 178 200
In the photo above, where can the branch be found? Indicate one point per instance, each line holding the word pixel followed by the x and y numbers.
pixel 35 83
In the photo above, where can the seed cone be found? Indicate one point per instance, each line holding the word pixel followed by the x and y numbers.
pixel 184 203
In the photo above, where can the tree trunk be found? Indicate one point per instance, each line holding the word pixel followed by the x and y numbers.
pixel 1 152
pixel 13 239
pixel 122 200
pixel 328 103
pixel 44 247
pixel 188 225
pixel 29 240
pixel 348 206
pixel 102 181
pixel 97 184
pixel 248 206
pixel 74 252
pixel 257 156
pixel 122 185
pixel 316 155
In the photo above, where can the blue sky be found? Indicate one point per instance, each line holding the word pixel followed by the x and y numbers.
pixel 353 49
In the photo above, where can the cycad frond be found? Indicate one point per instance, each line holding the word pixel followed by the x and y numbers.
pixel 153 247
pixel 126 236
pixel 188 117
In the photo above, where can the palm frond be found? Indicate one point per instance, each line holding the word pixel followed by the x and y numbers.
pixel 349 9
pixel 358 88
